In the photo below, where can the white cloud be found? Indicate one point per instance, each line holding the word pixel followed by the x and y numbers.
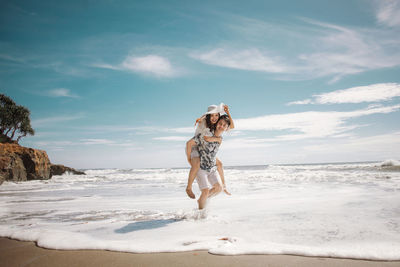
pixel 57 144
pixel 247 59
pixel 370 93
pixel 179 130
pixel 296 126
pixel 50 121
pixel 138 130
pixel 342 51
pixel 61 92
pixel 309 124
pixel 105 66
pixel 301 102
pixel 238 143
pixel 324 50
pixel 172 138
pixel 12 58
pixel 389 12
pixel 150 64
pixel 378 145
pixel 96 142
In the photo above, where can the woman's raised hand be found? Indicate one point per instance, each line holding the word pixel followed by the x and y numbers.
pixel 198 120
pixel 226 109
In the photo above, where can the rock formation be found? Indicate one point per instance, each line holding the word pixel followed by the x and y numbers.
pixel 18 163
pixel 58 169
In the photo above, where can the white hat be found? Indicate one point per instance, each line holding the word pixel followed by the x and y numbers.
pixel 216 109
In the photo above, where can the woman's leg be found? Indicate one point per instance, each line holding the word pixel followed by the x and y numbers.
pixel 203 198
pixel 192 175
pixel 221 171
pixel 215 190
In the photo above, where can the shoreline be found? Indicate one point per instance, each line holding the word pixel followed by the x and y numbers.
pixel 27 253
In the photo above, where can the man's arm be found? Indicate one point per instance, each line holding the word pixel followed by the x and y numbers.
pixel 213 139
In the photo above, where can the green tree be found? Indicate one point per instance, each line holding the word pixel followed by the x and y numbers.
pixel 14 120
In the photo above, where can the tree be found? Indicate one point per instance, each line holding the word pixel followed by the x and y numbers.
pixel 14 120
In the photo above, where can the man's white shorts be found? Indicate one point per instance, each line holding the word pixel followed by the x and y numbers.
pixel 207 179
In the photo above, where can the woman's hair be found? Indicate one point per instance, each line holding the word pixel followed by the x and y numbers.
pixel 209 124
pixel 226 119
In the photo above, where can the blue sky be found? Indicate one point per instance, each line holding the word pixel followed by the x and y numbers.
pixel 118 84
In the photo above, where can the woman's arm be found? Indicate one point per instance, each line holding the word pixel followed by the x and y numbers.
pixel 199 120
pixel 226 109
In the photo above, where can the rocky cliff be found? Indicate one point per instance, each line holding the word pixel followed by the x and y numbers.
pixel 18 163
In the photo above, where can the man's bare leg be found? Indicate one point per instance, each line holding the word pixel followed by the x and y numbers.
pixel 192 175
pixel 203 198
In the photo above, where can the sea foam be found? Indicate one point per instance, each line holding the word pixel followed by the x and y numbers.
pixel 390 162
pixel 334 210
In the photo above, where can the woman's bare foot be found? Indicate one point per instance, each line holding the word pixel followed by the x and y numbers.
pixel 189 192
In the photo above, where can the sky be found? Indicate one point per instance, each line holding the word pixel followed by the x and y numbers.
pixel 119 84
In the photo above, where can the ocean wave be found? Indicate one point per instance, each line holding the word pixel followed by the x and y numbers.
pixel 390 163
pixel 336 210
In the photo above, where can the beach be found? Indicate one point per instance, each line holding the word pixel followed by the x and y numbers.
pixel 18 253
pixel 347 211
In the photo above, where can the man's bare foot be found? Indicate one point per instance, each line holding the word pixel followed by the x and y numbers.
pixel 189 192
pixel 227 192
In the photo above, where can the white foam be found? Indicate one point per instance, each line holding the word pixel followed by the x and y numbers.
pixel 390 162
pixel 337 210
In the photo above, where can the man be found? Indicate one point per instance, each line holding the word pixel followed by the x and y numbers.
pixel 208 178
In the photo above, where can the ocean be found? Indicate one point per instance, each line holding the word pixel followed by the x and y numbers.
pixel 349 210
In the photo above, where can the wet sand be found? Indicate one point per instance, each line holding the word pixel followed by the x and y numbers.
pixel 18 253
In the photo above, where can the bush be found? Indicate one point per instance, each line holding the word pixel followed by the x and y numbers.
pixel 14 120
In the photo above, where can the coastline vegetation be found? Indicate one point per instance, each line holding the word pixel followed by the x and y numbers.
pixel 15 121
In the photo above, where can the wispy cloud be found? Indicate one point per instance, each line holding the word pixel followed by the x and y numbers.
pixel 388 12
pixel 377 144
pixel 301 102
pixel 151 64
pixel 142 130
pixel 11 58
pixel 324 50
pixel 247 59
pixel 294 126
pixel 96 142
pixel 370 93
pixel 50 121
pixel 311 124
pixel 105 66
pixel 172 138
pixel 154 65
pixel 61 92
pixel 342 51
pixel 62 144
pixel 56 144
pixel 238 143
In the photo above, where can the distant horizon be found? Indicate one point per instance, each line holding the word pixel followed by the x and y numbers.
pixel 257 165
